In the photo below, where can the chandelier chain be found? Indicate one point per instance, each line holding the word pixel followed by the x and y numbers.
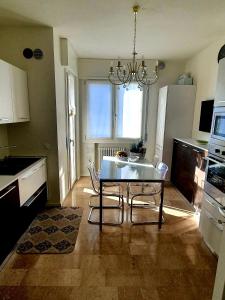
pixel 133 71
pixel 135 32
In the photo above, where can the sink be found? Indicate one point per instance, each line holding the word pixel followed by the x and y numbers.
pixel 12 165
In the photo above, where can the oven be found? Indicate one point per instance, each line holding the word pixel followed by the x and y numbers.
pixel 212 218
pixel 218 126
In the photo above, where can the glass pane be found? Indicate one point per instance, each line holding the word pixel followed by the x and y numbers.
pixel 99 110
pixel 129 112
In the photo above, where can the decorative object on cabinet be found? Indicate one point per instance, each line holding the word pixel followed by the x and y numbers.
pixel 53 230
pixel 174 119
pixel 13 94
pixel 188 171
pixel 185 79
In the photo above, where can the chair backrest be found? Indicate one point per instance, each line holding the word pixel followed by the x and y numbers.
pixel 162 168
pixel 155 160
pixel 94 176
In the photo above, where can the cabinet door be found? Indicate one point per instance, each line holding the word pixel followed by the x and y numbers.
pixel 20 95
pixel 6 110
pixel 188 171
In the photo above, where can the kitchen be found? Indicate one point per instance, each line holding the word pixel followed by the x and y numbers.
pixel 41 137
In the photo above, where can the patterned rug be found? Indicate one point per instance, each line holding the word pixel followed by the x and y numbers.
pixel 54 230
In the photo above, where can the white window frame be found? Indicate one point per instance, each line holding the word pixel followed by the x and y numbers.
pixel 113 139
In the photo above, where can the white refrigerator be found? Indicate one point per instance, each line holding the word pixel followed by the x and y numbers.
pixel 174 120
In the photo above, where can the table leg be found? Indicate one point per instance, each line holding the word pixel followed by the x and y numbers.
pixel 100 209
pixel 161 205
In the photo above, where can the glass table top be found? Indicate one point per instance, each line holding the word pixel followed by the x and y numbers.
pixel 116 170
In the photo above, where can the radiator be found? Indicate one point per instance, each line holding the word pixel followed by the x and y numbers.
pixel 108 151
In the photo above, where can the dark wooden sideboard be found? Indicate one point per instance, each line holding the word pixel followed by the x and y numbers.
pixel 188 170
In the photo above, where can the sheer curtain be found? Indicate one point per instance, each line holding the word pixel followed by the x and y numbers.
pixel 99 109
pixel 129 112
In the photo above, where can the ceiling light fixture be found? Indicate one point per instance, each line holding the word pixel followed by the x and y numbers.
pixel 133 71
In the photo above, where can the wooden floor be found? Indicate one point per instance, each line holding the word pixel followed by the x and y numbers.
pixel 126 262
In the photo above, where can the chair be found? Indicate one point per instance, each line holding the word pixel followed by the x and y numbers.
pixel 110 190
pixel 154 163
pixel 145 189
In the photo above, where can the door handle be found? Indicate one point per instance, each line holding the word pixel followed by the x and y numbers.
pixel 72 142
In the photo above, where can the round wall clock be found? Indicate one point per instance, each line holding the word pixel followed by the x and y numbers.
pixel 28 53
pixel 38 53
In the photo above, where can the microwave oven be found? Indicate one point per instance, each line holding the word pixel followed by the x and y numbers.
pixel 218 126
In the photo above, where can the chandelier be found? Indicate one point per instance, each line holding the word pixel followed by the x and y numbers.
pixel 133 71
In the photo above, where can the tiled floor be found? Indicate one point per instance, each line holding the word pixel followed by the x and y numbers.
pixel 127 262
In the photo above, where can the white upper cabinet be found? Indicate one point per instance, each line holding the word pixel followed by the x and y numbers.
pixel 220 84
pixel 14 105
pixel 6 107
pixel 20 95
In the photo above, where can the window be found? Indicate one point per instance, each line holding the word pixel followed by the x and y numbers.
pixel 114 111
pixel 129 112
pixel 99 110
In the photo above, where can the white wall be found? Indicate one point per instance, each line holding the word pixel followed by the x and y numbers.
pixel 203 67
pixel 39 136
pixel 60 80
pixel 99 68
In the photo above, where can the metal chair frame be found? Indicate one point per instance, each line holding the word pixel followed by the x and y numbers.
pixel 163 168
pixel 94 177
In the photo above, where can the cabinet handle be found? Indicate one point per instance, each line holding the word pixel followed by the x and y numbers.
pixel 221 211
pixel 185 146
pixel 4 119
pixel 23 118
pixel 31 173
pixel 12 188
pixel 210 203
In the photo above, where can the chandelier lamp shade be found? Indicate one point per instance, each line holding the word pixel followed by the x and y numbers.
pixel 133 71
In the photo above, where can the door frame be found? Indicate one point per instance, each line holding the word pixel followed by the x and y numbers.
pixel 68 73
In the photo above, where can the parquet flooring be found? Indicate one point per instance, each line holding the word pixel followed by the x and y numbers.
pixel 122 263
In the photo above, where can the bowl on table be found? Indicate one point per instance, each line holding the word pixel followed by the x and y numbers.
pixel 133 158
pixel 121 155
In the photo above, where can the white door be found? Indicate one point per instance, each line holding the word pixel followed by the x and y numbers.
pixel 71 127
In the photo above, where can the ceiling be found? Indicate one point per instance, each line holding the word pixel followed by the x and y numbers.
pixel 166 29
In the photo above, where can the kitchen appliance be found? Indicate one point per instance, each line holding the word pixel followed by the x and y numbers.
pixel 218 129
pixel 212 217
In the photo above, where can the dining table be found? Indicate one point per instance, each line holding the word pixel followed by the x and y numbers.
pixel 115 170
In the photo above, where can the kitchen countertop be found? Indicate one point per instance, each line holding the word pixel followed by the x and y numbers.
pixel 5 180
pixel 194 143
